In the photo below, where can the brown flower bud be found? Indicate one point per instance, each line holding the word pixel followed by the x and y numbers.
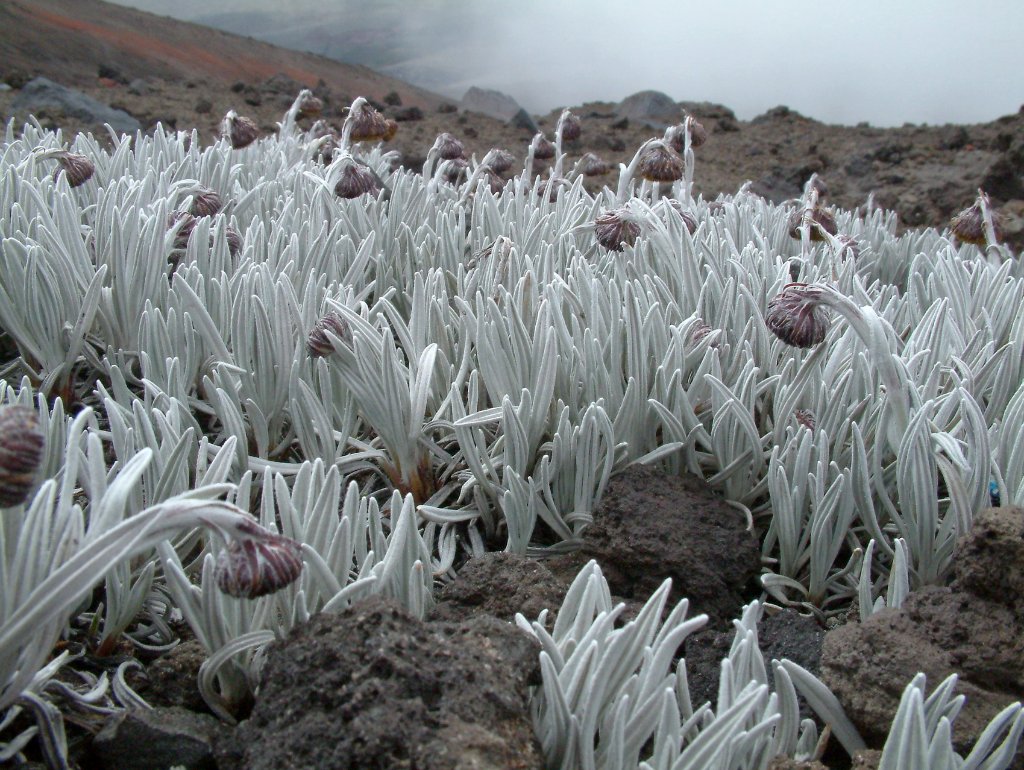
pixel 234 239
pixel 309 106
pixel 698 134
pixel 452 171
pixel 699 332
pixel 805 417
pixel 821 220
pixel 368 125
pixel 21 453
pixel 78 169
pixel 969 225
pixel 796 317
pixel 689 220
pixel 849 248
pixel 660 163
pixel 500 160
pixel 592 165
pixel 206 203
pixel 616 229
pixel 240 131
pixel 819 185
pixel 542 148
pixel 317 341
pixel 357 179
pixel 390 129
pixel 675 136
pixel 449 148
pixel 248 568
pixel 571 128
pixel 185 224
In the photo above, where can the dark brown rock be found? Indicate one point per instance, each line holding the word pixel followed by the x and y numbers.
pixel 373 687
pixel 156 739
pixel 500 584
pixel 172 679
pixel 786 763
pixel 974 628
pixel 651 526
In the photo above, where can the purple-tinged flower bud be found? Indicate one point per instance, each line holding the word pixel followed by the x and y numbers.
pixel 240 131
pixel 969 225
pixel 367 124
pixel 309 106
pixel 21 452
pixel 821 221
pixel 571 128
pixel 234 239
pixel 452 171
pixel 699 332
pixel 797 317
pixel 805 417
pixel 592 165
pixel 849 248
pixel 185 224
pixel 500 160
pixel 542 148
pixel 77 168
pixel 675 136
pixel 494 182
pixel 390 129
pixel 448 147
pixel 689 220
pixel 819 185
pixel 660 163
pixel 317 341
pixel 255 567
pixel 553 186
pixel 357 179
pixel 616 229
pixel 698 134
pixel 206 203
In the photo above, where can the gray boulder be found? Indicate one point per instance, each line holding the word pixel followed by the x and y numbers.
pixel 652 107
pixel 43 94
pixel 497 105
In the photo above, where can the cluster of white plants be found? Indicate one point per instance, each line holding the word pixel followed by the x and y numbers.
pixel 392 371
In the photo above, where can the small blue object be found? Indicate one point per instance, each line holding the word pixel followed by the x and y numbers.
pixel 993 493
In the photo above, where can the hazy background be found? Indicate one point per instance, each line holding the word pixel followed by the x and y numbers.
pixel 883 61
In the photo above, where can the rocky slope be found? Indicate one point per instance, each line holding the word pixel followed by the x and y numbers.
pixel 184 76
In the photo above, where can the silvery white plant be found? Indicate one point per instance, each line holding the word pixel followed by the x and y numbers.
pixel 613 698
pixel 500 352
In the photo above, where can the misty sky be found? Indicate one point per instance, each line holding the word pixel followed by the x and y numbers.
pixel 883 61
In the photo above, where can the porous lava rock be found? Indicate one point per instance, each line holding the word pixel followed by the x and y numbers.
pixel 500 584
pixel 974 628
pixel 651 525
pixel 158 738
pixel 374 688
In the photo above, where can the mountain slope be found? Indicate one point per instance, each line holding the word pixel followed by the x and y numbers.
pixel 68 40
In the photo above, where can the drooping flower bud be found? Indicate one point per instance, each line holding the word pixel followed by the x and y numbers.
pixel 500 160
pixel 21 452
pixel 592 165
pixel 249 568
pixel 796 316
pixel 206 203
pixel 571 128
pixel 969 225
pixel 698 134
pixel 185 224
pixel 448 147
pixel 699 332
pixel 660 163
pixel 689 220
pixel 849 248
pixel 77 168
pixel 452 171
pixel 805 417
pixel 357 179
pixel 309 106
pixel 820 221
pixel 542 148
pixel 317 341
pixel 675 137
pixel 366 123
pixel 390 129
pixel 238 130
pixel 616 229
